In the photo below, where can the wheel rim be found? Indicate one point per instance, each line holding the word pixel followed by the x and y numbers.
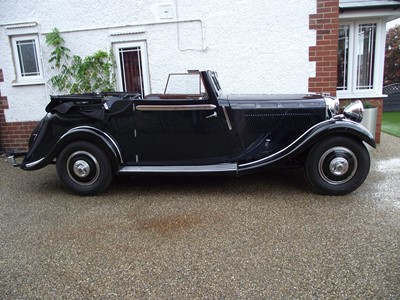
pixel 83 168
pixel 337 165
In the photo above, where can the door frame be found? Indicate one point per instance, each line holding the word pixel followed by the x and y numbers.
pixel 144 63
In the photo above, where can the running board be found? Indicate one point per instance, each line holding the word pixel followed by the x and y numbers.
pixel 217 168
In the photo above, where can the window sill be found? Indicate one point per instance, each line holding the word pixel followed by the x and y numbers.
pixel 39 82
pixel 360 96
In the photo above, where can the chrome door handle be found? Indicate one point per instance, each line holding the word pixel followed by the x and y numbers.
pixel 212 116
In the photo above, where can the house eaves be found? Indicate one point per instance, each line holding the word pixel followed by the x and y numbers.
pixel 352 5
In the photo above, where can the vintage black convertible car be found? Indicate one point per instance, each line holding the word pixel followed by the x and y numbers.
pixel 194 128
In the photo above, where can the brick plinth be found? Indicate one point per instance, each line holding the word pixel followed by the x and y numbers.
pixel 324 53
pixel 13 135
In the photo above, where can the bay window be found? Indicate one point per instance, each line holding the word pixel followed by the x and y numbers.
pixel 360 58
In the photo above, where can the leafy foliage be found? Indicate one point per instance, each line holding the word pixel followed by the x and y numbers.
pixel 54 39
pixel 79 75
pixel 392 56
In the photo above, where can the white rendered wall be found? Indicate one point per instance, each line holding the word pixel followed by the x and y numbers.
pixel 256 46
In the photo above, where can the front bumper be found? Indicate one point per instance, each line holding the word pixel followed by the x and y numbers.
pixel 11 158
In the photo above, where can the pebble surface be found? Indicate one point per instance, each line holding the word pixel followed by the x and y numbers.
pixel 265 236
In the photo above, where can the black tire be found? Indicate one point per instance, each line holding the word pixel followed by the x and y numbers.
pixel 84 168
pixel 337 165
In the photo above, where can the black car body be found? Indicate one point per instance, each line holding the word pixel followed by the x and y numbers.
pixel 195 128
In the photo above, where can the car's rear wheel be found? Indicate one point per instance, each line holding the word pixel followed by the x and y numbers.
pixel 337 165
pixel 84 168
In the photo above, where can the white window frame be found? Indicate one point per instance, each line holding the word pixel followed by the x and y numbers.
pixel 145 66
pixel 379 55
pixel 349 58
pixel 17 63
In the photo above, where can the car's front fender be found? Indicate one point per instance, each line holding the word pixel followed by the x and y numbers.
pixel 319 131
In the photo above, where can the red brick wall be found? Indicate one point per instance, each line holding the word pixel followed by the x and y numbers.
pixel 324 53
pixel 13 135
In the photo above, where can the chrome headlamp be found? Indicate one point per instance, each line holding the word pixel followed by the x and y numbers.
pixel 354 111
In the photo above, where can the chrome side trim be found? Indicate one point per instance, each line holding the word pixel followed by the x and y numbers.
pixel 228 121
pixel 223 167
pixel 32 164
pixel 98 131
pixel 299 143
pixel 173 107
pixel 277 155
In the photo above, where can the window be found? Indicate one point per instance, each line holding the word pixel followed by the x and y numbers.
pixel 185 83
pixel 132 70
pixel 366 44
pixel 26 57
pixel 360 58
pixel 343 57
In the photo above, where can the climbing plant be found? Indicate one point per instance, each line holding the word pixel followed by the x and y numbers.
pixel 74 74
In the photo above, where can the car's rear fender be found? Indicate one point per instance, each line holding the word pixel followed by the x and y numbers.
pixel 332 127
pixel 87 133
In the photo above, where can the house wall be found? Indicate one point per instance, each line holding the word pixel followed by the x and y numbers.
pixel 256 47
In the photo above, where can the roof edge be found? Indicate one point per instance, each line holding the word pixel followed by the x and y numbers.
pixel 378 6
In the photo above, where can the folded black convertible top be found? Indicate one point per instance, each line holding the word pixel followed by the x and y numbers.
pixel 87 99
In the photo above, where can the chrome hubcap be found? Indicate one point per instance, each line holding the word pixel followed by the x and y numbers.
pixel 81 168
pixel 337 165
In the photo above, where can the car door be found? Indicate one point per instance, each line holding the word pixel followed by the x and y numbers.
pixel 180 131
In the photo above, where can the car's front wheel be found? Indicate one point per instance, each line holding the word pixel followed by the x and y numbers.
pixel 337 165
pixel 84 168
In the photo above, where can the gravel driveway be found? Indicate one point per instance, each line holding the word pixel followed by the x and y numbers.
pixel 266 236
